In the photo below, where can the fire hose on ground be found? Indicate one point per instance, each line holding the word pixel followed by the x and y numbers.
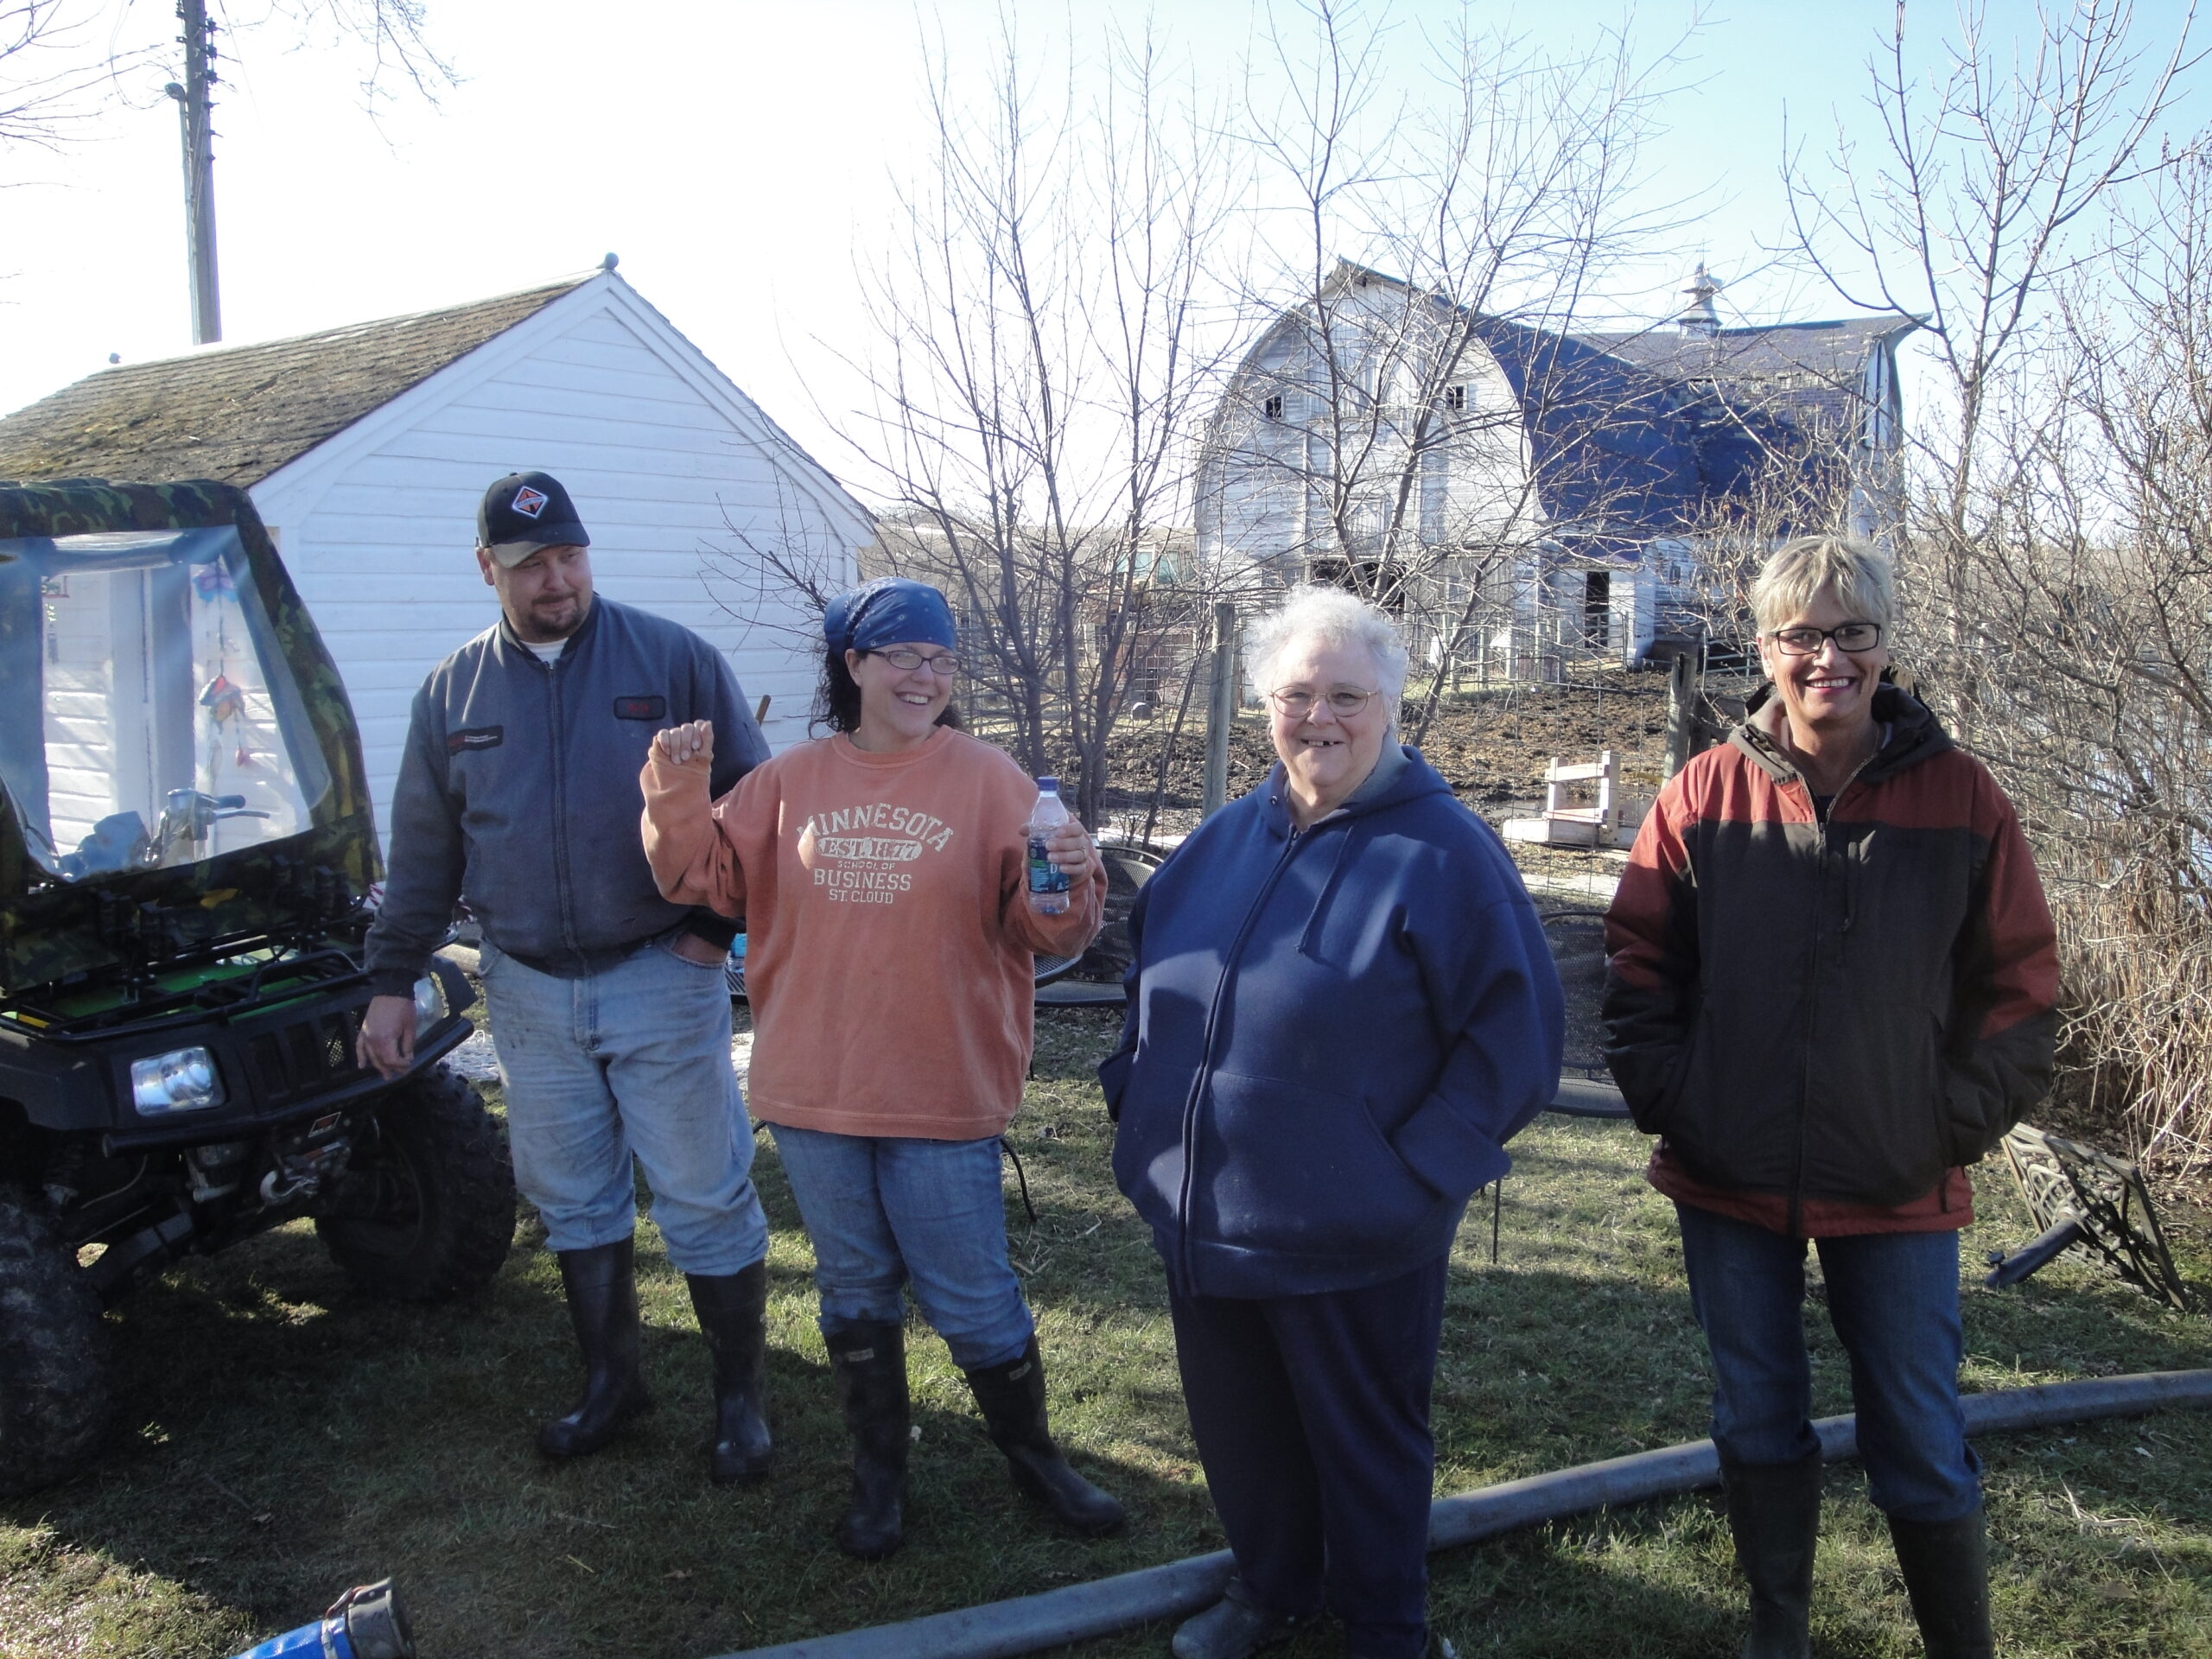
pixel 1080 1612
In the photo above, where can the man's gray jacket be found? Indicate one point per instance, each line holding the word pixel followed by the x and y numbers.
pixel 518 791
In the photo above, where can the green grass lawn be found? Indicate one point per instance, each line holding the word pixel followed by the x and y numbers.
pixel 279 1438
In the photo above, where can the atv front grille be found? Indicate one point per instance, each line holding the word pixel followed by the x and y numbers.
pixel 304 1060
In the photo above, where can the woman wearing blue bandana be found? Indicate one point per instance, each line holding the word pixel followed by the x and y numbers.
pixel 882 873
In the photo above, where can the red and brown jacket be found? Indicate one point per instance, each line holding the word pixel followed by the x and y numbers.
pixel 1827 1019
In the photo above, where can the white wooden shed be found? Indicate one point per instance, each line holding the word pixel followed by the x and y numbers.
pixel 366 449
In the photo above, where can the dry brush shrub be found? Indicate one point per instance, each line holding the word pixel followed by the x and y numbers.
pixel 2057 534
pixel 2074 630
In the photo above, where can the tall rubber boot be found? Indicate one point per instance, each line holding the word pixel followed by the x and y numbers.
pixel 1946 1565
pixel 733 1316
pixel 867 1358
pixel 602 1291
pixel 1774 1511
pixel 1012 1396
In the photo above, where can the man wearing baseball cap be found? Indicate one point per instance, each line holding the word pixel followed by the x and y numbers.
pixel 608 1008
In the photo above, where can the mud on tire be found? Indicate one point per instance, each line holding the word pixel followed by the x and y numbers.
pixel 54 1388
pixel 427 1207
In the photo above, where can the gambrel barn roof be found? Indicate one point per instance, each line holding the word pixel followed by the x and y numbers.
pixel 1757 392
pixel 238 413
pixel 1606 440
pixel 1636 434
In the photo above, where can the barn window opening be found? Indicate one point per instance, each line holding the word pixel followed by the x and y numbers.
pixel 1272 407
pixel 1455 399
pixel 1597 608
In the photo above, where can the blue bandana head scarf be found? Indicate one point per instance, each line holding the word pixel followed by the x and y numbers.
pixel 889 610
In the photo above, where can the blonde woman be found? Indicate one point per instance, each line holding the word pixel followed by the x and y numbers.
pixel 1832 974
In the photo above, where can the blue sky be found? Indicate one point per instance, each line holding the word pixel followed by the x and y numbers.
pixel 735 153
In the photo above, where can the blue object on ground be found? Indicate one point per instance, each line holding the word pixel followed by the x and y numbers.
pixel 367 1622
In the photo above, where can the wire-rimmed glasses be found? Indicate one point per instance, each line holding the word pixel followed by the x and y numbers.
pixel 1344 700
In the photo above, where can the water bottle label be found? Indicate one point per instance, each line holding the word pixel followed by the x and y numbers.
pixel 1045 876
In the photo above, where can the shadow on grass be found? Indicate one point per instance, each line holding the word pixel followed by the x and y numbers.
pixel 279 1437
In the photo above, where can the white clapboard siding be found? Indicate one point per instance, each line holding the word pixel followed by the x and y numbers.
pixel 671 468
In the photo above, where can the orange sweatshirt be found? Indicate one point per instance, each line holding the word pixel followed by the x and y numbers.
pixel 888 928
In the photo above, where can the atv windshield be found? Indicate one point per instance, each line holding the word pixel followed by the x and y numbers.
pixel 147 719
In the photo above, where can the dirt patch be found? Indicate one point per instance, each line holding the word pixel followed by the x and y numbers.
pixel 1493 748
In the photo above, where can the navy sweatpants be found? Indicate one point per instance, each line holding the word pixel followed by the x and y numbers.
pixel 1310 1415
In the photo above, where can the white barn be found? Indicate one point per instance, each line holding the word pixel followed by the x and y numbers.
pixel 1523 496
pixel 366 449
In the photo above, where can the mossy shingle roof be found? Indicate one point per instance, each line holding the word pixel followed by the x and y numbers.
pixel 238 413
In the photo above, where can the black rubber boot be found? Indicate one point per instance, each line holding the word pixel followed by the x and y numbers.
pixel 1774 1511
pixel 1946 1565
pixel 868 1360
pixel 602 1290
pixel 1012 1399
pixel 733 1316
pixel 1233 1627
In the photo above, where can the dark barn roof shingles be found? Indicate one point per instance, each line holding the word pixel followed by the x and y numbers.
pixel 237 414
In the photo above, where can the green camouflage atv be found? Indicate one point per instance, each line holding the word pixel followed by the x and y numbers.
pixel 186 857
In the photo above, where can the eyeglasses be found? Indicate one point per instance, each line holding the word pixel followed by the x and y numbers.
pixel 1807 642
pixel 1297 702
pixel 906 662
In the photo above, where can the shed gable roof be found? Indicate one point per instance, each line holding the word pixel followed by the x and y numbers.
pixel 239 413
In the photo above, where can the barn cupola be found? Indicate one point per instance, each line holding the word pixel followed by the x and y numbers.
pixel 1698 317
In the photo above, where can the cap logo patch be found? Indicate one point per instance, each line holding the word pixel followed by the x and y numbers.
pixel 529 502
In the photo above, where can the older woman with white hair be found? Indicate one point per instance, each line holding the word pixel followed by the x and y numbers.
pixel 1832 985
pixel 1341 1006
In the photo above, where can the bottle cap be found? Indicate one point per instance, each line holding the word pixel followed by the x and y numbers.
pixel 1048 782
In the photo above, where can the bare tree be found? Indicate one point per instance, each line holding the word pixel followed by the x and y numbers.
pixel 391 37
pixel 2093 565
pixel 2056 536
pixel 61 62
pixel 1379 435
pixel 1990 186
pixel 1039 346
pixel 50 77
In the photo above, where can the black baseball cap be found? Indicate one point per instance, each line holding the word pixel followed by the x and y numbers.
pixel 524 512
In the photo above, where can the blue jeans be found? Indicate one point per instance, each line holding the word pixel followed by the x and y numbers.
pixel 1893 1299
pixel 633 1060
pixel 882 1212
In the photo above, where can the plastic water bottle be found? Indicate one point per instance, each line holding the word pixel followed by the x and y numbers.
pixel 1048 882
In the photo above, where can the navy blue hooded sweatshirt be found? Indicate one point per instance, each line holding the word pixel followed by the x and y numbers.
pixel 1331 1034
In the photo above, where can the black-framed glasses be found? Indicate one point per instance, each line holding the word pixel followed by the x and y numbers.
pixel 1297 702
pixel 1807 642
pixel 944 663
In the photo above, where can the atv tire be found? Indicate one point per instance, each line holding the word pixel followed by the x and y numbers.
pixel 426 1208
pixel 53 1386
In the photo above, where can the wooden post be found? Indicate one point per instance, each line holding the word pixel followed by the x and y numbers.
pixel 1221 707
pixel 1681 711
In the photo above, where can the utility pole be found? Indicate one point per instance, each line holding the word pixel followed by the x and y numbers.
pixel 194 107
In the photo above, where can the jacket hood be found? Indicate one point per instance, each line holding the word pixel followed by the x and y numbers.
pixel 1416 780
pixel 1915 734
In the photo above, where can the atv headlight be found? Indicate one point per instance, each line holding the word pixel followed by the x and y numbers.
pixel 182 1080
pixel 430 1002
